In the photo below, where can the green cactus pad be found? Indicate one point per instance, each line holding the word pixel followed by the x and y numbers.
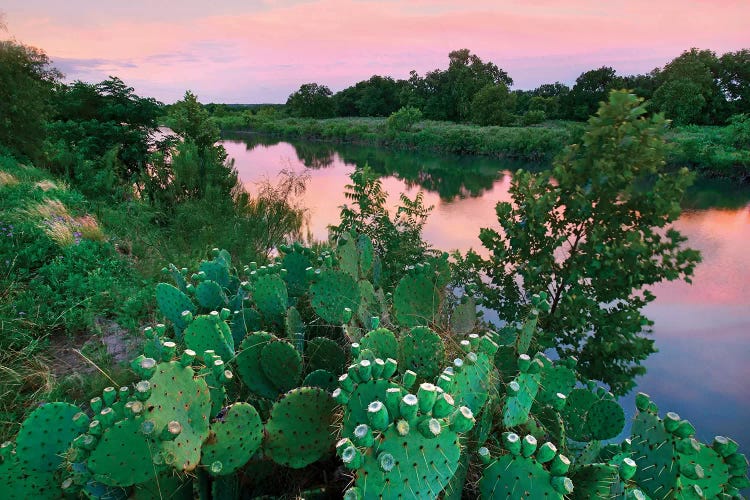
pixel 217 269
pixel 364 393
pixel 45 436
pixel 324 354
pixel 366 254
pixel 574 413
pixel 653 452
pixel 293 325
pixel 473 384
pixel 270 297
pixel 331 293
pixel 243 322
pixel 124 456
pixel 296 264
pixel 178 395
pixel 282 364
pixel 555 379
pixel 209 295
pixel 232 440
pixel 382 342
pixel 605 419
pixel 298 431
pixel 526 334
pixel 416 301
pixel 422 351
pixel 464 316
pixel 210 332
pixel 369 305
pixel 422 467
pixel 249 368
pixel 517 476
pixel 16 482
pixel 172 302
pixel 347 256
pixel 322 379
pixel 177 276
pixel 594 481
pixel 518 404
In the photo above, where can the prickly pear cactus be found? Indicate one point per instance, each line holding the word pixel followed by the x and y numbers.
pixel 172 303
pixel 472 379
pixel 209 295
pixel 268 365
pixel 347 255
pixel 331 293
pixel 210 332
pixel 464 316
pixel 400 445
pixel 366 254
pixel 325 354
pixel 298 262
pixel 270 296
pixel 526 471
pixel 381 342
pixel 298 431
pixel 522 391
pixel 673 464
pixel 232 440
pixel 422 351
pixel 590 415
pixel 416 300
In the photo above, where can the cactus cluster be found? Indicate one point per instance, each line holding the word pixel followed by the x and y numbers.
pixel 406 391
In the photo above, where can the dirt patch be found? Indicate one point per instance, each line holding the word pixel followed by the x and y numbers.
pixel 114 345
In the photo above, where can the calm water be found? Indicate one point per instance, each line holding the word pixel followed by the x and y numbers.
pixel 702 331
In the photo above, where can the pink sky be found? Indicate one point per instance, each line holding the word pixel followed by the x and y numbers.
pixel 260 51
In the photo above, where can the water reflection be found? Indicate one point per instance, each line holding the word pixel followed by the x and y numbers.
pixel 702 330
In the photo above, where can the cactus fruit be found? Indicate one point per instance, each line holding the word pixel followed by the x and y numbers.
pixel 422 351
pixel 525 472
pixel 298 431
pixel 331 293
pixel 416 300
pixel 233 439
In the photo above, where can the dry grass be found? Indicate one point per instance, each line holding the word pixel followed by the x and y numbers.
pixel 7 179
pixel 47 185
pixel 63 228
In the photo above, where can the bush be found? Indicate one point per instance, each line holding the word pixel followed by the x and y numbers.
pixel 404 119
pixel 737 133
pixel 533 117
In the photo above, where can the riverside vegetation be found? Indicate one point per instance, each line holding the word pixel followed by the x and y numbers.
pixel 361 367
pixel 469 108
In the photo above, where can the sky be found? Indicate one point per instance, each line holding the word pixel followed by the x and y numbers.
pixel 260 51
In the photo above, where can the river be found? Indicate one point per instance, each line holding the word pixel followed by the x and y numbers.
pixel 702 331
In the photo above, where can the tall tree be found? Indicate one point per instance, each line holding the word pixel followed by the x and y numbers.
pixel 734 78
pixel 594 234
pixel 311 101
pixel 26 81
pixel 590 89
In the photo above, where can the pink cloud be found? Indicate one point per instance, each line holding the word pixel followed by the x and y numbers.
pixel 267 51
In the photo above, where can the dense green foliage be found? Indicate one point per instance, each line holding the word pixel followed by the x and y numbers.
pixel 594 234
pixel 311 101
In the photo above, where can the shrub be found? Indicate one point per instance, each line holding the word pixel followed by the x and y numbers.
pixel 404 119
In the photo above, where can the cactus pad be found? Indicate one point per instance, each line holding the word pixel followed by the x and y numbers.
pixel 416 300
pixel 282 364
pixel 464 316
pixel 322 379
pixel 233 439
pixel 325 354
pixel 298 431
pixel 296 264
pixel 124 456
pixel 382 342
pixel 210 332
pixel 249 367
pixel 45 435
pixel 209 295
pixel 172 302
pixel 422 351
pixel 331 293
pixel 270 297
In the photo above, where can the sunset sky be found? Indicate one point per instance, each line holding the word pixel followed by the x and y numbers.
pixel 261 51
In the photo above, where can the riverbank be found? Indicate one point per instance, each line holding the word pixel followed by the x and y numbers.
pixel 706 150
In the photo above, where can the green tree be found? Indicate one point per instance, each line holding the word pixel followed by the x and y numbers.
pixel 590 89
pixel 734 78
pixel 311 101
pixel 493 105
pixel 689 90
pixel 188 119
pixel 92 119
pixel 594 234
pixel 26 82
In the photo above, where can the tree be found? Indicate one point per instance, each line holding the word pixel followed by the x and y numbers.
pixel 188 119
pixel 734 79
pixel 311 101
pixel 26 81
pixel 593 233
pixel 693 76
pixel 590 89
pixel 493 105
pixel 92 119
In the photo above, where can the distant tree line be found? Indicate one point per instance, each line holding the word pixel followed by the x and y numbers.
pixel 697 87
